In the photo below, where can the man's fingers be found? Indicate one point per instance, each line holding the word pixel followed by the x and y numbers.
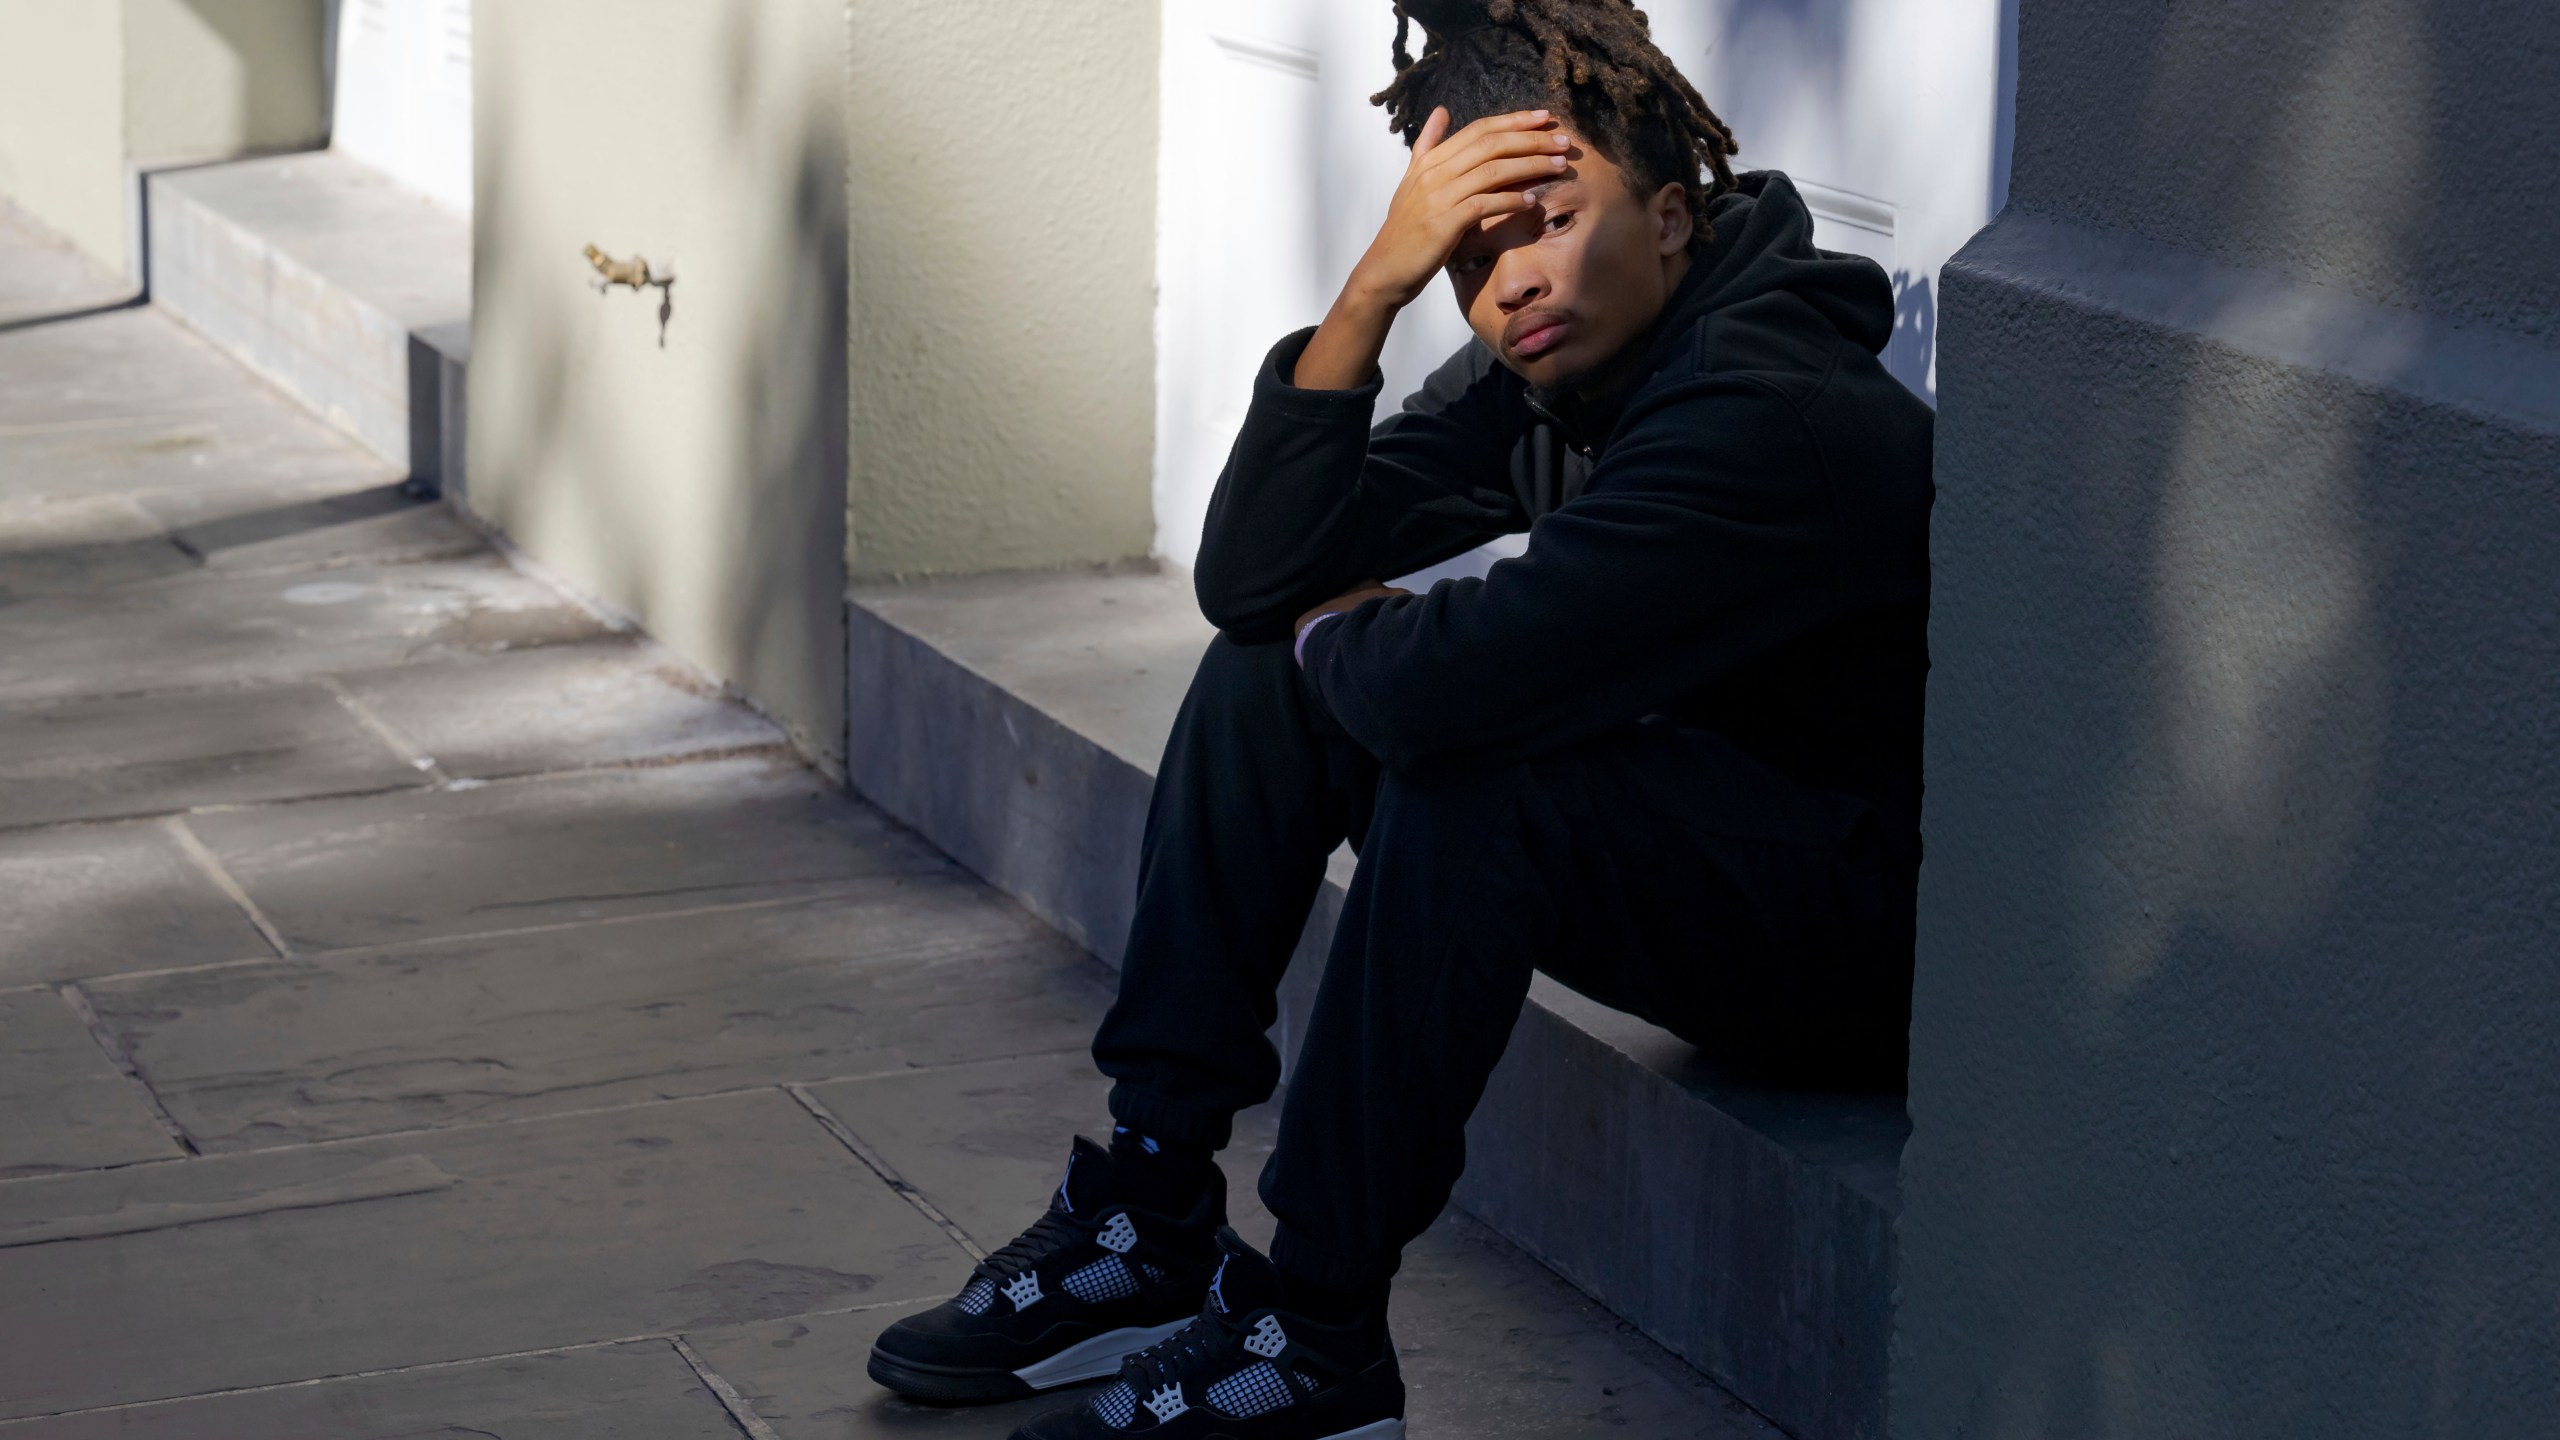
pixel 1461 153
pixel 1514 120
pixel 1435 129
pixel 1490 204
pixel 1498 174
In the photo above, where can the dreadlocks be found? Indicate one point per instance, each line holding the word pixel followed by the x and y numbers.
pixel 1592 59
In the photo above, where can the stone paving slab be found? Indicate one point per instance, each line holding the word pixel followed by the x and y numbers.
pixel 130 402
pixel 804 1378
pixel 603 1226
pixel 148 754
pixel 607 701
pixel 63 1104
pixel 128 364
pixel 91 899
pixel 908 971
pixel 206 631
pixel 74 543
pixel 637 1391
pixel 985 1144
pixel 380 869
pixel 237 446
pixel 1492 1344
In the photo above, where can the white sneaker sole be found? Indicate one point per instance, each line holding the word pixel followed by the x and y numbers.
pixel 1100 1357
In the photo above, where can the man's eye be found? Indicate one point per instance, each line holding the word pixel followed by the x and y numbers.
pixel 1466 264
pixel 1558 222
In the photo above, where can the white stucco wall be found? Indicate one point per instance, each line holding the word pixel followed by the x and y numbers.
pixel 404 92
pixel 697 483
pixel 1003 188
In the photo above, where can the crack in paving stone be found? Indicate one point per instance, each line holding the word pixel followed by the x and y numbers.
pixel 382 1180
pixel 727 1394
pixel 78 999
pixel 204 860
pixel 879 1165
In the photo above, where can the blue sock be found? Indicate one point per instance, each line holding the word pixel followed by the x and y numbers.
pixel 1160 1175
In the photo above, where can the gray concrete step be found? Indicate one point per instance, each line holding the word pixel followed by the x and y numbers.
pixel 1017 720
pixel 347 290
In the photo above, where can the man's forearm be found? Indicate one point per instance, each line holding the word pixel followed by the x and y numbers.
pixel 1344 351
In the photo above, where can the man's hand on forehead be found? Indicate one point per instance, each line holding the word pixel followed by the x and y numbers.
pixel 1479 175
pixel 1454 183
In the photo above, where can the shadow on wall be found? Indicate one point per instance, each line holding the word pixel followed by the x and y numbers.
pixel 2231 830
pixel 1914 342
pixel 1797 51
pixel 736 559
pixel 786 552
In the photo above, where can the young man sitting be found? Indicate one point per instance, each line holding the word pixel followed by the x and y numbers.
pixel 1670 755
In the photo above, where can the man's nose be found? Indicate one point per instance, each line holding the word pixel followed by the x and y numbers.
pixel 1518 286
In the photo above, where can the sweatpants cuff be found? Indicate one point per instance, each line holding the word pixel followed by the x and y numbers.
pixel 1153 1115
pixel 1333 1269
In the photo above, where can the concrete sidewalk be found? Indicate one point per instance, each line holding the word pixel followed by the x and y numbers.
pixel 425 1010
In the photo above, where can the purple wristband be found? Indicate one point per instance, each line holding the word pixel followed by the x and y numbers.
pixel 1300 649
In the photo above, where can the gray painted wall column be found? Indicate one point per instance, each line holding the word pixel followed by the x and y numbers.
pixel 2236 1088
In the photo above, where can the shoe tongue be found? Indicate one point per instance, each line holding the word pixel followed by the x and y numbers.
pixel 1086 1186
pixel 1245 1282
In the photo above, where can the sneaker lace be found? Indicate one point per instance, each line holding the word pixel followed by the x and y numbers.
pixel 1198 1346
pixel 1048 1235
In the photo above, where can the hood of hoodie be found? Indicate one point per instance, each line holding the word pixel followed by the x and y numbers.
pixel 1764 243
pixel 1763 246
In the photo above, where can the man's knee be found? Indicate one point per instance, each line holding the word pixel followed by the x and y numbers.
pixel 1449 831
pixel 1229 668
pixel 1247 688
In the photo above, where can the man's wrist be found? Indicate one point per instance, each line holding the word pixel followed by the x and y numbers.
pixel 1299 649
pixel 1365 307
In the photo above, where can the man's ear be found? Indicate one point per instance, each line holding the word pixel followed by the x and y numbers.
pixel 1673 224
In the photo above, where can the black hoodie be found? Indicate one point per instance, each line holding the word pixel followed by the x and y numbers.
pixel 1737 542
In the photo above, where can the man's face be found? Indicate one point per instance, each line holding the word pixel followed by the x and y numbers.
pixel 1560 291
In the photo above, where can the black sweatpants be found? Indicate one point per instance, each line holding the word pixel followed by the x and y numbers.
pixel 1661 871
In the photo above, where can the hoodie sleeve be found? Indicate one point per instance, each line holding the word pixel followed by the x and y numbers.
pixel 1702 541
pixel 1313 500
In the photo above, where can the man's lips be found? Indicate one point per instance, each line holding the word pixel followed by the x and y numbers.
pixel 1534 333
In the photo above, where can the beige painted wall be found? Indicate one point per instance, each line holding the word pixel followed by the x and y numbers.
pixel 223 77
pixel 62 119
pixel 698 484
pixel 1004 271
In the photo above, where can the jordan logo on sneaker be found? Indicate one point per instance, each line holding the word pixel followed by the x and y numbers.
pixel 1217 1283
pixel 1267 1339
pixel 1166 1403
pixel 1023 1290
pixel 1119 1236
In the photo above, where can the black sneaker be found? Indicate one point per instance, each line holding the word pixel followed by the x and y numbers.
pixel 1246 1370
pixel 1089 1283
